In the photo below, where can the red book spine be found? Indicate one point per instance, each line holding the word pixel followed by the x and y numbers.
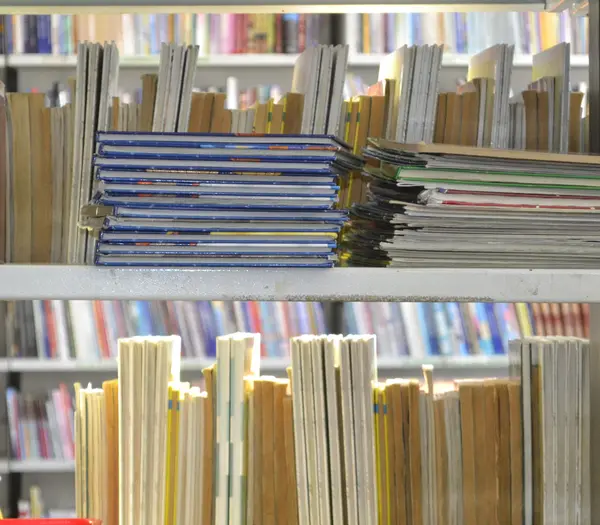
pixel 538 320
pixel 100 329
pixel 301 33
pixel 279 33
pixel 68 411
pixel 557 321
pixel 567 319
pixel 585 318
pixel 50 328
pixel 577 319
pixel 255 322
pixel 243 33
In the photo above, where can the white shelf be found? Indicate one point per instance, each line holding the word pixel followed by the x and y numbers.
pixel 49 366
pixel 267 366
pixel 337 284
pixel 39 7
pixel 252 61
pixel 40 466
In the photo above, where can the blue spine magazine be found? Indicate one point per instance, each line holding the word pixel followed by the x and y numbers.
pixel 233 179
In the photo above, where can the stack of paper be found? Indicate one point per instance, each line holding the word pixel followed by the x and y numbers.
pixel 219 200
pixel 450 205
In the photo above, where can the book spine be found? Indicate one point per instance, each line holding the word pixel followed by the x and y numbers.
pixel 43 34
pixel 301 33
pixel 290 33
pixel 31 34
pixel 279 33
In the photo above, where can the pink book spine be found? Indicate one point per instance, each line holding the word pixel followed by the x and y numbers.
pixel 68 412
pixel 61 419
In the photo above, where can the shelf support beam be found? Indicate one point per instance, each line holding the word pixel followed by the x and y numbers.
pixel 594 75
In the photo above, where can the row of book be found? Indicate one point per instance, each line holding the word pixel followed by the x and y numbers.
pixel 215 34
pixel 460 329
pixel 142 34
pixel 465 33
pixel 76 184
pixel 41 426
pixel 88 330
pixel 331 443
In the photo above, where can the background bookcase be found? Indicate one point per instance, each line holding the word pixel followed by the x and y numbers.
pixel 59 282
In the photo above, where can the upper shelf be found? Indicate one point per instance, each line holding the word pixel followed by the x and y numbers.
pixel 253 60
pixel 338 284
pixel 252 6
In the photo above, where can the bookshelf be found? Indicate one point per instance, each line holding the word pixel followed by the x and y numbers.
pixel 62 282
pixel 339 284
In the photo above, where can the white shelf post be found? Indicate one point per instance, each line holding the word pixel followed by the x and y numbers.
pixel 594 436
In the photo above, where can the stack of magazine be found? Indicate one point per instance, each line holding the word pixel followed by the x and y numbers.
pixel 443 205
pixel 182 199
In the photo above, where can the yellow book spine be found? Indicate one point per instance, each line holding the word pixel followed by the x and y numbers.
pixel 378 451
pixel 175 450
pixel 169 445
pixel 387 459
pixel 270 105
pixel 524 319
pixel 347 127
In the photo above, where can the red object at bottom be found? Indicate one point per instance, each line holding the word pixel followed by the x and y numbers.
pixel 50 521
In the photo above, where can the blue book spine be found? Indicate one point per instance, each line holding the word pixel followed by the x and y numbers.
pixel 210 329
pixel 501 311
pixel 442 329
pixel 494 329
pixel 485 337
pixel 303 319
pixel 13 417
pixel 219 319
pixel 46 37
pixel 31 34
pixel 154 41
pixel 143 319
pixel 9 32
pixel 429 338
pixel 63 35
pixel 457 328
pixel 267 329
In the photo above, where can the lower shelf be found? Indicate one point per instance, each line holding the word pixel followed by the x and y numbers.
pixel 38 465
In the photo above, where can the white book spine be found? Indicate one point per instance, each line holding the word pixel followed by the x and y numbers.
pixel 222 429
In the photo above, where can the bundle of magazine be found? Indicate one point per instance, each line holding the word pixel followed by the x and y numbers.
pixel 184 199
pixel 442 205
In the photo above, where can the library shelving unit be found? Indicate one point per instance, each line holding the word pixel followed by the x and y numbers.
pixel 484 285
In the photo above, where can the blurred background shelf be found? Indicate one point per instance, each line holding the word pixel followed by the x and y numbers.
pixel 40 466
pixel 253 60
pixel 47 366
pixel 251 6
